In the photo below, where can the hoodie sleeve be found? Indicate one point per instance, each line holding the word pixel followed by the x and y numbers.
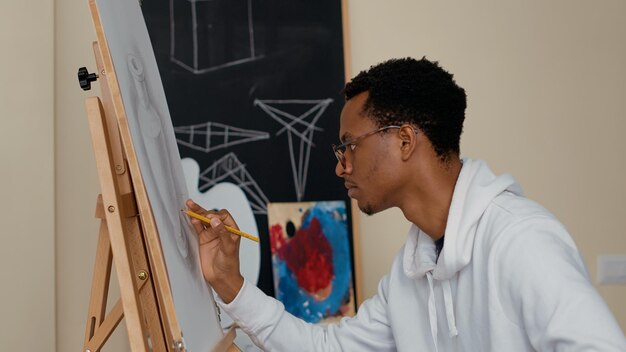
pixel 544 287
pixel 271 328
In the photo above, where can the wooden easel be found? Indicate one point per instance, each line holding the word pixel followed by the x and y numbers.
pixel 128 233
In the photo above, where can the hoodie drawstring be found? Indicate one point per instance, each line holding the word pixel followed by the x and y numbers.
pixel 432 308
pixel 447 302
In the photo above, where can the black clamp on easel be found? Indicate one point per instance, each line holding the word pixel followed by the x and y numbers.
pixel 85 78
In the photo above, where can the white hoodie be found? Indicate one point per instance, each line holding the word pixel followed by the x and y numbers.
pixel 509 278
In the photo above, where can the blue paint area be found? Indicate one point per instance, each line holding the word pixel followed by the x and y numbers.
pixel 333 220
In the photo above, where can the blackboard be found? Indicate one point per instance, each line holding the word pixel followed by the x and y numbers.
pixel 260 76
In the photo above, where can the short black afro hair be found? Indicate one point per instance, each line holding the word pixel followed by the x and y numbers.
pixel 418 92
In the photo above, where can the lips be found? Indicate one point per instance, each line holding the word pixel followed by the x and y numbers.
pixel 351 187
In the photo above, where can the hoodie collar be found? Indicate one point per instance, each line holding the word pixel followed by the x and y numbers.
pixel 475 189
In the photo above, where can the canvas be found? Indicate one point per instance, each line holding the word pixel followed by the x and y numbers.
pixel 159 161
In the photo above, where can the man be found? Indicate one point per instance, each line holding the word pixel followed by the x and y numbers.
pixel 483 268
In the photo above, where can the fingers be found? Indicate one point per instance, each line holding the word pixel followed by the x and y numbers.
pixel 193 206
pixel 216 231
pixel 230 241
pixel 226 218
pixel 218 218
pixel 223 214
pixel 198 225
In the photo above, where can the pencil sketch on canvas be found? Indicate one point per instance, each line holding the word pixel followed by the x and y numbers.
pixel 159 161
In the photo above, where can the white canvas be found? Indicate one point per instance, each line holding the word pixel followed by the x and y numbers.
pixel 155 145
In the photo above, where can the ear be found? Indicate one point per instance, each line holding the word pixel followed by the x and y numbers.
pixel 408 139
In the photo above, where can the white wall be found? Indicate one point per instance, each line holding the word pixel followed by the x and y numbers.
pixel 546 102
pixel 27 215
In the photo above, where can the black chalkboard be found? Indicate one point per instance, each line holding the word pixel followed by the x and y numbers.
pixel 250 64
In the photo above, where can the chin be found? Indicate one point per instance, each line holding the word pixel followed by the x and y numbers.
pixel 367 209
pixel 371 209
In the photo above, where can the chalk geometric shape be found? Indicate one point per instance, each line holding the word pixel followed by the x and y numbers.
pixel 230 169
pixel 301 126
pixel 208 35
pixel 210 136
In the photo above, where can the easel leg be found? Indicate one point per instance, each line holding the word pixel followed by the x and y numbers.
pixel 99 328
pixel 97 333
pixel 120 239
pixel 117 228
pixel 146 289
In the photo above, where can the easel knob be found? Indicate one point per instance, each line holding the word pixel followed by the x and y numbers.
pixel 85 78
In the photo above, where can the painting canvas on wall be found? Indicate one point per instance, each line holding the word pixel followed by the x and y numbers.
pixel 311 259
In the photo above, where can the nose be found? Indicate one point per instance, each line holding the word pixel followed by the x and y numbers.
pixel 341 170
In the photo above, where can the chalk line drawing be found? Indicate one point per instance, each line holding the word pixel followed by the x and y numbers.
pixel 210 136
pixel 221 31
pixel 301 126
pixel 230 169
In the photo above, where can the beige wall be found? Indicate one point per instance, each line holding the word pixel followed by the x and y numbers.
pixel 546 85
pixel 27 215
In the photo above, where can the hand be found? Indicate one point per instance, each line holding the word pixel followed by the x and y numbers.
pixel 219 251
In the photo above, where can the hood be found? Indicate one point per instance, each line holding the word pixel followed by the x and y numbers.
pixel 475 188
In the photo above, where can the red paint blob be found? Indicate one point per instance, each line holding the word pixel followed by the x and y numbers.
pixel 308 255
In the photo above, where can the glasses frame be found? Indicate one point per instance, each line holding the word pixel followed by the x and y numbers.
pixel 340 150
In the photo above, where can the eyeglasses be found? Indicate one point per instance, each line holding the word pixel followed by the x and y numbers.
pixel 340 150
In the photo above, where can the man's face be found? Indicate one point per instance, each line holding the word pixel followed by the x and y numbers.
pixel 367 168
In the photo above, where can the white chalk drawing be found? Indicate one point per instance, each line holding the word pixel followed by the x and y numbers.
pixel 229 168
pixel 210 136
pixel 218 41
pixel 302 127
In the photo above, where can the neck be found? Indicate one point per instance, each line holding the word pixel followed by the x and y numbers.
pixel 427 203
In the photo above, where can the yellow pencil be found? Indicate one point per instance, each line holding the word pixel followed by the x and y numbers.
pixel 228 228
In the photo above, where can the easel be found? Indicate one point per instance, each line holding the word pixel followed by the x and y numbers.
pixel 128 232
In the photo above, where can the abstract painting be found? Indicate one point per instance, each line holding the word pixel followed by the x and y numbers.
pixel 311 259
